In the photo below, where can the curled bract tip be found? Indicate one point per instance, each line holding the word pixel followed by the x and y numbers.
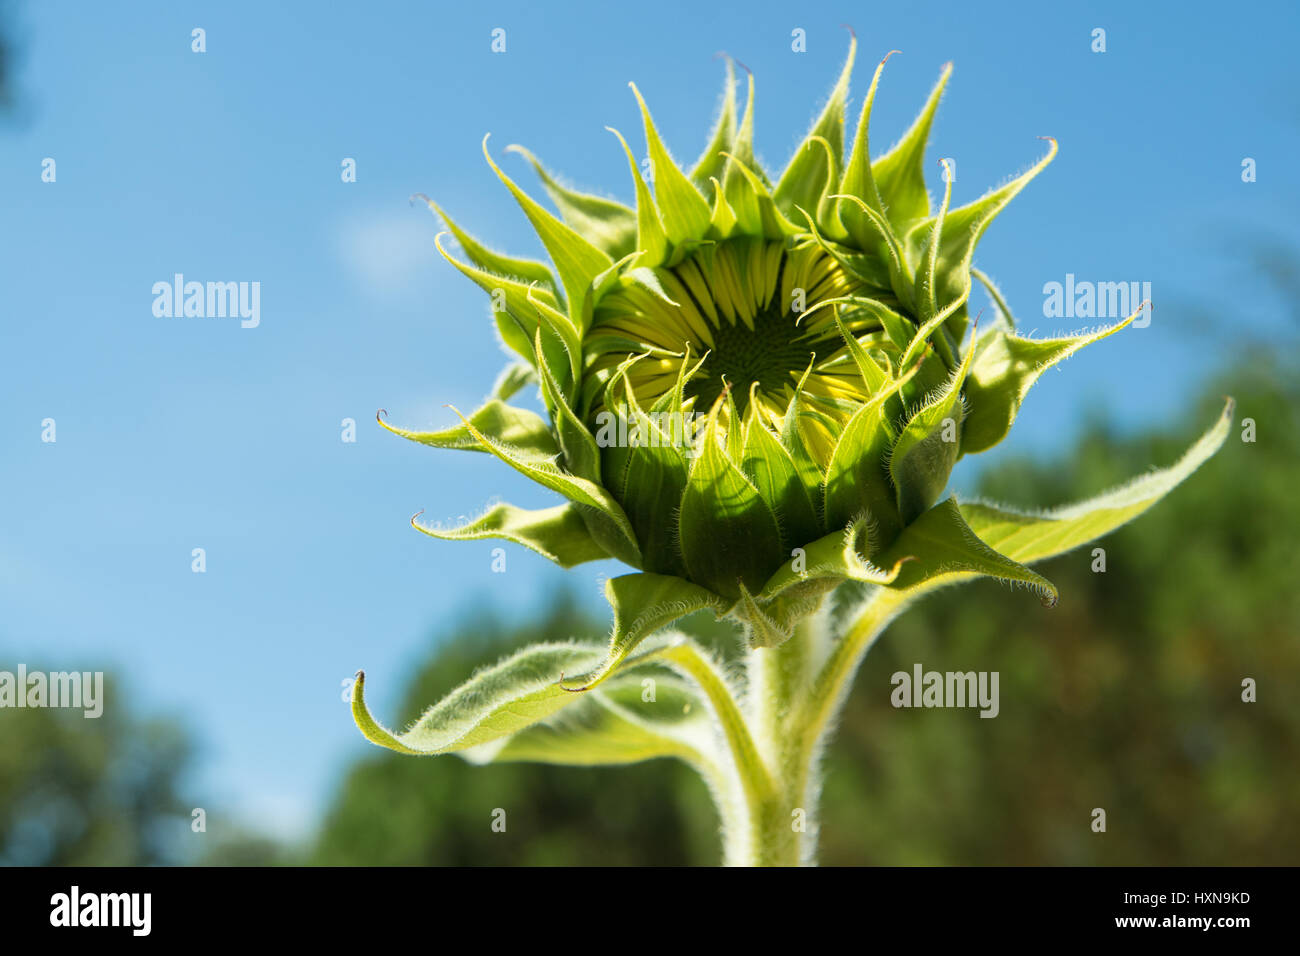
pixel 380 415
pixel 414 516
pixel 420 196
pixel 852 32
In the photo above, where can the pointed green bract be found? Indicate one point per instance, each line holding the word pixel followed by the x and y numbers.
pixel 642 604
pixel 684 210
pixel 710 165
pixel 728 533
pixel 928 447
pixel 858 178
pixel 940 546
pixel 1005 369
pixel 577 261
pixel 517 427
pixel 651 239
pixel 608 225
pixel 523 270
pixel 558 534
pixel 839 556
pixel 899 174
pixel 809 177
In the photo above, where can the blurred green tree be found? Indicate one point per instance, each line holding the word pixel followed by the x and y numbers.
pixel 81 791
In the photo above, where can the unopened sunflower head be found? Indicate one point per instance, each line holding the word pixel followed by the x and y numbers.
pixel 753 386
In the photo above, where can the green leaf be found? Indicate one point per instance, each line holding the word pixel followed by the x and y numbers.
pixel 1006 367
pixel 1028 537
pixel 615 724
pixel 517 427
pixel 684 210
pixel 939 547
pixel 643 603
pixel 557 534
pixel 899 174
pixel 604 516
pixel 496 702
pixel 576 260
pixel 608 225
pixel 728 533
pixel 517 322
pixel 523 270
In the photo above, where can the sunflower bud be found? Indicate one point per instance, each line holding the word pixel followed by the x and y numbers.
pixel 753 388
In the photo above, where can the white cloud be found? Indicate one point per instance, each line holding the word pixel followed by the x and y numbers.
pixel 388 252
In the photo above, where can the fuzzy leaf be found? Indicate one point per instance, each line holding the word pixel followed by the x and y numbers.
pixel 608 225
pixel 580 452
pixel 643 603
pixel 512 378
pixel 939 547
pixel 1006 367
pixel 651 240
pixel 517 427
pixel 604 516
pixel 496 702
pixel 523 270
pixel 517 322
pixel 615 724
pixel 962 229
pixel 769 467
pixel 576 260
pixel 859 180
pixel 558 534
pixel 899 174
pixel 1028 537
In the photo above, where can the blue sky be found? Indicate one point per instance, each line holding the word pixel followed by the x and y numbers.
pixel 174 434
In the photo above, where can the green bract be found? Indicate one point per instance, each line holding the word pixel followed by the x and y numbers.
pixel 755 391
